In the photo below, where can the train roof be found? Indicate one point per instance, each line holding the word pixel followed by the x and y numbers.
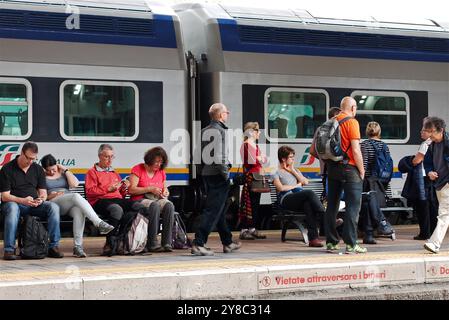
pixel 113 6
pixel 131 22
pixel 314 33
pixel 325 17
pixel 134 33
pixel 317 18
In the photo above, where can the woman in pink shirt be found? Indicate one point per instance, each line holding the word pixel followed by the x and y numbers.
pixel 252 163
pixel 147 185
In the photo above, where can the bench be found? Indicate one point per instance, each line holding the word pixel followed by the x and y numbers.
pixel 288 218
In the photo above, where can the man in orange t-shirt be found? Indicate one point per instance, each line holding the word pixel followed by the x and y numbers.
pixel 347 176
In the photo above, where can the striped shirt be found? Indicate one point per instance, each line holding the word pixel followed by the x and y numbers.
pixel 369 154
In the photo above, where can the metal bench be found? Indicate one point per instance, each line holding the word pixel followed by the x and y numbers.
pixel 288 218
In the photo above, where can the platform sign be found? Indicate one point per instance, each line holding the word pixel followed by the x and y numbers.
pixel 364 276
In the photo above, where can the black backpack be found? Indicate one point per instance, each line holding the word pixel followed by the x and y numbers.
pixel 180 239
pixel 328 140
pixel 33 239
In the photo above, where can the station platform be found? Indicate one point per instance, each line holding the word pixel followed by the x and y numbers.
pixel 261 269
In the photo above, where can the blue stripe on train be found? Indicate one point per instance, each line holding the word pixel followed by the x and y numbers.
pixel 263 39
pixel 40 25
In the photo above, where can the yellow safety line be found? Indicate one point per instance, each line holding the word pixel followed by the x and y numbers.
pixel 240 263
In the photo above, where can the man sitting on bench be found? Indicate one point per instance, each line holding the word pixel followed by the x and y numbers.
pixel 24 192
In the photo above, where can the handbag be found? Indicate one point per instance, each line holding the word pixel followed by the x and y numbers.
pixel 151 196
pixel 239 178
pixel 260 183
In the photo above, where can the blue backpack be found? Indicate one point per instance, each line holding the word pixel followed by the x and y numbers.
pixel 383 163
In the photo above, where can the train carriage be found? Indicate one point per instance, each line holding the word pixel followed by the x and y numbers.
pixel 285 68
pixel 77 73
pixel 74 74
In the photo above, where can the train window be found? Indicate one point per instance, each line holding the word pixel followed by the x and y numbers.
pixel 389 109
pixel 292 115
pixel 15 109
pixel 98 110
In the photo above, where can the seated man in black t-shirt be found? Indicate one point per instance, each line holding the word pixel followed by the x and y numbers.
pixel 24 191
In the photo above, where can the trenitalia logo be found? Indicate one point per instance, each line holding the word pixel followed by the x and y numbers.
pixel 307 158
pixel 7 151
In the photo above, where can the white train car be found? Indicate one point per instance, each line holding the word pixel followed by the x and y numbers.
pixel 78 73
pixel 75 74
pixel 286 68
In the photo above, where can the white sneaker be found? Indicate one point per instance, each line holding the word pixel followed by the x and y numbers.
pixel 231 247
pixel 105 227
pixel 201 251
pixel 429 246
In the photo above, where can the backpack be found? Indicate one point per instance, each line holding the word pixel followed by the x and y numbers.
pixel 328 140
pixel 179 236
pixel 383 163
pixel 135 239
pixel 33 239
pixel 129 237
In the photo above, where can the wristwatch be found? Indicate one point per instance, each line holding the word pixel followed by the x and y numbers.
pixel 65 171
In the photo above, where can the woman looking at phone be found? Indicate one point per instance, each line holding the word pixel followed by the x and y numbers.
pixel 59 180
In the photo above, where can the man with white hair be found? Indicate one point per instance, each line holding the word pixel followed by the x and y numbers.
pixel 215 175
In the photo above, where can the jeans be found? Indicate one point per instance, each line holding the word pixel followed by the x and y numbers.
pixel 307 201
pixel 114 211
pixel 13 211
pixel 371 216
pixel 343 178
pixel 78 208
pixel 213 214
pixel 159 209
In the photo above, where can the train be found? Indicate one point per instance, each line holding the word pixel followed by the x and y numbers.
pixel 138 74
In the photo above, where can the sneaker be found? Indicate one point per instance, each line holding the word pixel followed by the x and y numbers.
pixel 9 256
pixel 256 234
pixel 79 252
pixel 107 250
pixel 246 235
pixel 429 246
pixel 332 248
pixel 104 227
pixel 156 249
pixel 55 253
pixel 316 243
pixel 420 237
pixel 201 251
pixel 355 249
pixel 369 240
pixel 385 228
pixel 338 222
pixel 232 247
pixel 168 248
